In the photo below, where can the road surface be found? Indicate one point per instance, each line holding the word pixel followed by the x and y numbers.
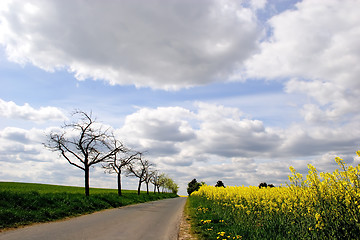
pixel 147 221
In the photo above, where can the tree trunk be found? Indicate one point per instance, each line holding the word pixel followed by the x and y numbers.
pixel 154 188
pixel 147 188
pixel 139 187
pixel 87 191
pixel 119 183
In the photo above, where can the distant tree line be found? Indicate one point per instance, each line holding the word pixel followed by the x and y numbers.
pixel 85 142
pixel 265 185
pixel 194 185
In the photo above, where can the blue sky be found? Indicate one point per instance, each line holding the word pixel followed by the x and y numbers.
pixel 215 90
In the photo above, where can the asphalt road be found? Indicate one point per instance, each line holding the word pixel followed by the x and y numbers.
pixel 153 220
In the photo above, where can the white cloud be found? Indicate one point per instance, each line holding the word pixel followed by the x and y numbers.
pixel 210 142
pixel 24 158
pixel 26 112
pixel 223 132
pixel 316 40
pixel 238 150
pixel 323 92
pixel 258 4
pixel 313 48
pixel 161 44
pixel 316 43
pixel 302 140
pixel 160 124
pixel 332 100
pixel 24 144
pixel 210 129
pixel 15 134
pixel 215 131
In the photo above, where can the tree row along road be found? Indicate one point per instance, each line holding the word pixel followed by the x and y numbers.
pixel 153 220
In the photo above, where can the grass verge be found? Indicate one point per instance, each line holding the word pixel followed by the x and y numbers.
pixel 187 232
pixel 210 222
pixel 25 203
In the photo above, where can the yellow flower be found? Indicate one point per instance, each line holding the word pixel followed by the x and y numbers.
pixel 319 196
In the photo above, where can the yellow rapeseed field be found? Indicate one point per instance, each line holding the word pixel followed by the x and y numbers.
pixel 317 206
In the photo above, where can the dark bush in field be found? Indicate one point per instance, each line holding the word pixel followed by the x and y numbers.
pixel 193 186
pixel 219 184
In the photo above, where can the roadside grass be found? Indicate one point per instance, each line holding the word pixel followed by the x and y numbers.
pixel 191 231
pixel 208 221
pixel 26 203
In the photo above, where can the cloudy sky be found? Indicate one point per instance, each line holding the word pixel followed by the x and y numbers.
pixel 226 90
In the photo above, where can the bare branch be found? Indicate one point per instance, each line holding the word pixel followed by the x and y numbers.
pixel 92 145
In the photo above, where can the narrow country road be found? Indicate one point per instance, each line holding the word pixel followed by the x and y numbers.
pixel 153 220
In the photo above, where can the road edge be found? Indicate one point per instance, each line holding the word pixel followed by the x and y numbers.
pixel 185 232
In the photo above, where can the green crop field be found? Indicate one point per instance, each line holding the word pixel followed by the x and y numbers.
pixel 26 203
pixel 47 188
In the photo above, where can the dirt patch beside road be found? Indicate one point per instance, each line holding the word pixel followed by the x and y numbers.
pixel 185 228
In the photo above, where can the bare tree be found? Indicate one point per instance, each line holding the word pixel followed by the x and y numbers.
pixel 161 181
pixel 140 170
pixel 155 179
pixel 119 161
pixel 147 178
pixel 83 143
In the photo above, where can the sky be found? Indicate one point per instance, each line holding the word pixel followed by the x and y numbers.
pixel 231 90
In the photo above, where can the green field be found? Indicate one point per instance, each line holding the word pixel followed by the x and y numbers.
pixel 26 203
pixel 47 188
